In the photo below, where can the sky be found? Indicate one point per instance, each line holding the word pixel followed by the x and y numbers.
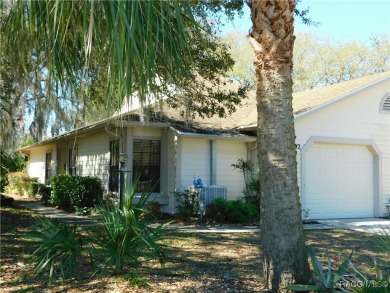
pixel 339 19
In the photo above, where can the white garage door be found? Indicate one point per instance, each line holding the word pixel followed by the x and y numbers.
pixel 339 181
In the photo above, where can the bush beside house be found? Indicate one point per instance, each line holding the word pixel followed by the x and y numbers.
pixel 232 211
pixel 22 184
pixel 10 162
pixel 75 193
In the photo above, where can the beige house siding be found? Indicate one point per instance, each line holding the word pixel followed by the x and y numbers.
pixel 94 156
pixel 195 161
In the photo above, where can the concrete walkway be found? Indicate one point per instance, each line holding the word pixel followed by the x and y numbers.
pixel 54 213
pixel 371 225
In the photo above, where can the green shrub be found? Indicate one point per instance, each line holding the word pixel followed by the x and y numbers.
pixel 121 236
pixel 45 192
pixel 33 186
pixel 87 192
pixel 18 182
pixel 187 204
pixel 231 211
pixel 61 186
pixel 76 193
pixel 252 181
pixel 10 162
pixel 58 246
pixel 125 234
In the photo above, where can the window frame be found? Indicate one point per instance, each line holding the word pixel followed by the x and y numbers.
pixel 113 180
pixel 148 164
pixel 48 169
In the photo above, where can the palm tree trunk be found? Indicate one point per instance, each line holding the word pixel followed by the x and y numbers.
pixel 282 240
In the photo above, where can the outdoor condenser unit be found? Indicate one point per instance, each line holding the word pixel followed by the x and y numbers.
pixel 211 192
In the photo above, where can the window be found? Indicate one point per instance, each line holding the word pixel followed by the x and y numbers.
pixel 48 168
pixel 113 181
pixel 72 161
pixel 146 163
pixel 385 105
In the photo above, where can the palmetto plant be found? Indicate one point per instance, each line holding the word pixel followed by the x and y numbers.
pixel 384 239
pixel 58 246
pixel 328 281
pixel 124 234
pixel 380 284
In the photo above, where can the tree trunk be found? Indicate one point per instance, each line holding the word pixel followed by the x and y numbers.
pixel 282 240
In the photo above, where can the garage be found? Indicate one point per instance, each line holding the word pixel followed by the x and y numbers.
pixel 339 181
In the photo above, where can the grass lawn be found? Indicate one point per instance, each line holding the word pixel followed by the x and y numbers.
pixel 195 262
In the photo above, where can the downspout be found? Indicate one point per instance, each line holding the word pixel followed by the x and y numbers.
pixel 106 128
pixel 213 162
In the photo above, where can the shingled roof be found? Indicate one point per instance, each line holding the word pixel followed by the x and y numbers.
pixel 245 116
pixel 316 98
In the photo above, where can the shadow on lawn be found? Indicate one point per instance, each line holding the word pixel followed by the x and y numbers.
pixel 214 256
pixel 201 262
pixel 205 259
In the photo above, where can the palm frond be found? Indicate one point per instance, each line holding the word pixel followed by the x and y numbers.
pixel 147 40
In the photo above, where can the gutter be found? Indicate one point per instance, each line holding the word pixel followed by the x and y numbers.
pixel 213 136
pixel 107 129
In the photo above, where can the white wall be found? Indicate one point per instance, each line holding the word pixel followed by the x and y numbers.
pixel 357 117
pixel 227 154
pixel 36 164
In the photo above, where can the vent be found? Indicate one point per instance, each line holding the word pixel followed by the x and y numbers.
pixel 385 107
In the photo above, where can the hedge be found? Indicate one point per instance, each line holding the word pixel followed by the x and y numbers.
pixel 75 193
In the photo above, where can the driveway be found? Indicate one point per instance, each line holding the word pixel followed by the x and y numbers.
pixel 369 225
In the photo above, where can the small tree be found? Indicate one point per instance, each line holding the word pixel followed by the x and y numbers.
pixel 252 180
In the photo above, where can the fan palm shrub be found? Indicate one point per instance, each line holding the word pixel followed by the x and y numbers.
pixel 59 246
pixel 326 281
pixel 121 235
pixel 124 233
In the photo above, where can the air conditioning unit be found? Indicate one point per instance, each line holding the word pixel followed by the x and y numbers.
pixel 207 194
pixel 212 192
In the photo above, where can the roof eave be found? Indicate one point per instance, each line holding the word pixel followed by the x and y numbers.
pixel 213 136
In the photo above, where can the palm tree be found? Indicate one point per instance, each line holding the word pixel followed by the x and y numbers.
pixel 139 36
pixel 283 244
pixel 145 39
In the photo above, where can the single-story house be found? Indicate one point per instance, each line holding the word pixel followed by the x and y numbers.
pixel 342 139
